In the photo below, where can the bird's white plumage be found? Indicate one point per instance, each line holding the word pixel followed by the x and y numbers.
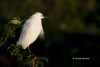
pixel 31 29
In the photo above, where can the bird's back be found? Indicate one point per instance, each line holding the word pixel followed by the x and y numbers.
pixel 30 31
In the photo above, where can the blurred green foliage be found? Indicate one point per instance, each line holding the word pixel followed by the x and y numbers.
pixel 16 51
pixel 72 31
pixel 71 16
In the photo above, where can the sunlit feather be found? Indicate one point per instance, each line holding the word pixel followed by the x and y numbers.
pixel 31 29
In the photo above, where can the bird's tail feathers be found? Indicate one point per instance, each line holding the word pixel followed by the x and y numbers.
pixel 18 44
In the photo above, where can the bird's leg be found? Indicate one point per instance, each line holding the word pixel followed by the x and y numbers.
pixel 31 54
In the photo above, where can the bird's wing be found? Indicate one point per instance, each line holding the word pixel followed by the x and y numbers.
pixel 29 34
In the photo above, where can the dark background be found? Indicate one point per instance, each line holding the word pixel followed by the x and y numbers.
pixel 72 31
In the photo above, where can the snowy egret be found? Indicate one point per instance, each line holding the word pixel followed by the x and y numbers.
pixel 31 29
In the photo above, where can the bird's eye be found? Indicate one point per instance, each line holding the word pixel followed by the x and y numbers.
pixel 41 15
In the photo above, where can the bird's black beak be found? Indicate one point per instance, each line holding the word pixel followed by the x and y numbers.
pixel 46 17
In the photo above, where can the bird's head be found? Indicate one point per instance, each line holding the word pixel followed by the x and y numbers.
pixel 39 15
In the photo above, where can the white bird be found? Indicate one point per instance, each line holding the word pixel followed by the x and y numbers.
pixel 31 29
